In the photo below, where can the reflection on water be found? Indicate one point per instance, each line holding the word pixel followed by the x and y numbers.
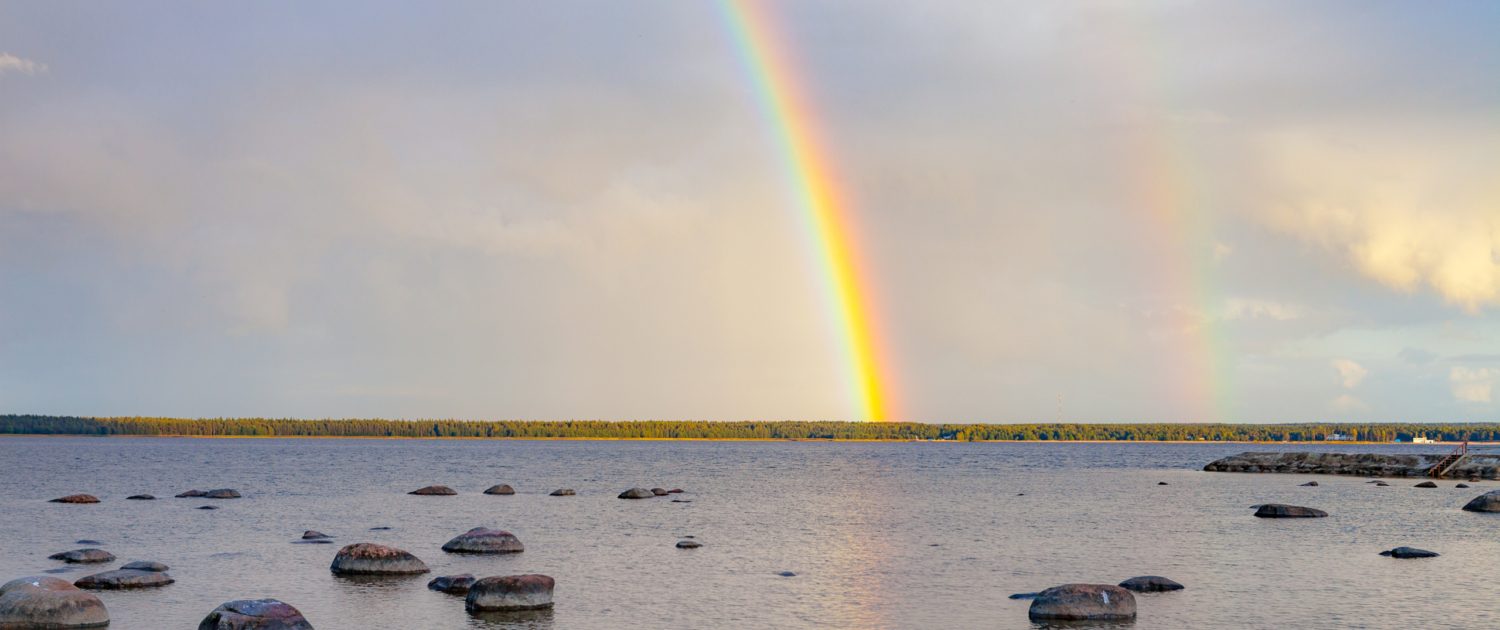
pixel 899 535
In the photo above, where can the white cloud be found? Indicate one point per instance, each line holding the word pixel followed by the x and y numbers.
pixel 1350 373
pixel 10 63
pixel 1473 384
pixel 1246 308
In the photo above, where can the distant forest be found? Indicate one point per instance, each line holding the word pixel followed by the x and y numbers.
pixel 788 430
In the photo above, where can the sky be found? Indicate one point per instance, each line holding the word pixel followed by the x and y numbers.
pixel 1086 211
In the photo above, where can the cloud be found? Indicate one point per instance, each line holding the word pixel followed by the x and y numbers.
pixel 1473 384
pixel 12 64
pixel 1408 213
pixel 1350 373
pixel 1244 308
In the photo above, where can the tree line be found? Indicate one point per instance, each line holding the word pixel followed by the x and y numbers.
pixel 769 430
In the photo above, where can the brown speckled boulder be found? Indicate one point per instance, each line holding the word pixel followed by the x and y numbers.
pixel 222 493
pixel 434 491
pixel 563 492
pixel 123 579
pixel 76 498
pixel 484 540
pixel 255 614
pixel 511 592
pixel 83 556
pixel 1150 584
pixel 500 489
pixel 373 559
pixel 1083 602
pixel 49 602
pixel 452 584
pixel 637 493
pixel 1278 510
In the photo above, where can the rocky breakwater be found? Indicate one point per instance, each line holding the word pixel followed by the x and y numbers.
pixel 1363 464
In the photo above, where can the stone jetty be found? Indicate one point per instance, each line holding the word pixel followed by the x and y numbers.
pixel 1472 465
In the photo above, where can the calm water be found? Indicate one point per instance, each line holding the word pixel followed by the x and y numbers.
pixel 904 535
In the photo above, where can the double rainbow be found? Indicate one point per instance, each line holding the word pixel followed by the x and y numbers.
pixel 825 206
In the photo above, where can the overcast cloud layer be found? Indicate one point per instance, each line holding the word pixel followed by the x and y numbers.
pixel 1165 211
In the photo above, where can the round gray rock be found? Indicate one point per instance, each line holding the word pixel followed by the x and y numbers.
pixel 1279 510
pixel 373 559
pixel 1487 502
pixel 500 489
pixel 452 584
pixel 49 602
pixel 1150 584
pixel 1410 552
pixel 509 593
pixel 1083 602
pixel 484 540
pixel 145 565
pixel 434 491
pixel 83 556
pixel 637 493
pixel 123 579
pixel 255 614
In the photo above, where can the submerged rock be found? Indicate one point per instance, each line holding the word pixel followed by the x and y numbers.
pixel 787 574
pixel 208 507
pixel 191 494
pixel 1023 595
pixel 140 497
pixel 1083 602
pixel 510 592
pixel 49 602
pixel 484 540
pixel 688 544
pixel 1381 484
pixel 124 578
pixel 313 534
pixel 1279 510
pixel 1161 483
pixel 434 491
pixel 222 493
pixel 1425 484
pixel 675 491
pixel 86 541
pixel 563 492
pixel 1461 485
pixel 1410 552
pixel 500 489
pixel 1311 484
pixel 452 584
pixel 255 614
pixel 1150 584
pixel 373 559
pixel 637 493
pixel 145 565
pixel 83 556
pixel 682 500
pixel 76 498
pixel 1487 502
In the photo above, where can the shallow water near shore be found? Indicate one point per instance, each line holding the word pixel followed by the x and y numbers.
pixel 879 535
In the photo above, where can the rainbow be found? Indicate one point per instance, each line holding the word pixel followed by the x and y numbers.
pixel 825 207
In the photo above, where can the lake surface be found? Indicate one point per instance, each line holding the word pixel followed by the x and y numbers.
pixel 880 535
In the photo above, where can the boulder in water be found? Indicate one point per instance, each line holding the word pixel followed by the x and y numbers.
pixel 563 492
pixel 208 507
pixel 1487 502
pixel 660 492
pixel 1461 485
pixel 86 541
pixel 688 543
pixel 1279 510
pixel 49 602
pixel 1425 484
pixel 255 614
pixel 191 494
pixel 787 574
pixel 123 579
pixel 1381 484
pixel 1312 484
pixel 434 491
pixel 373 559
pixel 76 498
pixel 500 489
pixel 637 493
pixel 484 540
pixel 1161 483
pixel 83 556
pixel 145 565
pixel 452 584
pixel 1409 552
pixel 140 497
pixel 222 493
pixel 675 491
pixel 1083 602
pixel 510 592
pixel 1150 584
pixel 1023 595
pixel 313 534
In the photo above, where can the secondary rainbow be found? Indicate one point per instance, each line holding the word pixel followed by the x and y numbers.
pixel 824 205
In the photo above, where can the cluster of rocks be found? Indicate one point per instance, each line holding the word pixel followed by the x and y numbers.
pixel 1094 602
pixel 491 594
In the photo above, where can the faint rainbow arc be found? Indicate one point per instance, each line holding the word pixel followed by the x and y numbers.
pixel 781 97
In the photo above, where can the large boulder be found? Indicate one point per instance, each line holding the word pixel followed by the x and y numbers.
pixel 484 540
pixel 452 584
pixel 76 498
pixel 145 565
pixel 222 493
pixel 1150 584
pixel 500 489
pixel 637 493
pixel 1083 602
pixel 1409 552
pixel 83 556
pixel 511 592
pixel 1279 510
pixel 255 614
pixel 373 559
pixel 124 578
pixel 563 492
pixel 1487 502
pixel 434 491
pixel 49 602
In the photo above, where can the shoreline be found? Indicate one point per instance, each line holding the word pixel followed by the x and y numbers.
pixel 699 439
